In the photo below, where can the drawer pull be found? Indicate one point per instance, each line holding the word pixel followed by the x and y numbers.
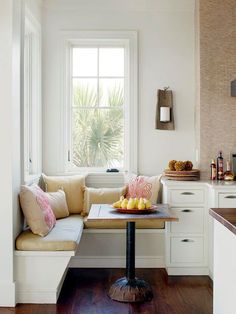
pixel 230 196
pixel 187 240
pixel 187 193
pixel 186 210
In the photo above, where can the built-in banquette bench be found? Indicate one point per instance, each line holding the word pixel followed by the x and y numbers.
pixel 41 262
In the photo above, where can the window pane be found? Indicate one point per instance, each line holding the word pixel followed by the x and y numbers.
pixel 84 92
pixel 111 62
pixel 111 92
pixel 98 138
pixel 85 61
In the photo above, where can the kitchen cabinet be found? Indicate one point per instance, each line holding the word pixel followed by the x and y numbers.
pixel 187 239
pixel 220 195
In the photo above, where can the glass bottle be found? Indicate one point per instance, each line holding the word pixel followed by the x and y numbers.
pixel 228 176
pixel 213 170
pixel 220 166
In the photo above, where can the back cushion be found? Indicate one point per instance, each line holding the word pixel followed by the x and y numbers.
pixel 101 196
pixel 37 210
pixel 72 186
pixel 57 201
pixel 144 186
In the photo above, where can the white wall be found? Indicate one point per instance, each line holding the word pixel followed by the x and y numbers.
pixel 11 36
pixel 166 58
pixel 9 126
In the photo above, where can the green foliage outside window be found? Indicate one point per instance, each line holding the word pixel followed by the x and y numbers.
pixel 98 132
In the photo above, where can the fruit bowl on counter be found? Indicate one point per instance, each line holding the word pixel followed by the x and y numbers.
pixel 134 206
pixel 181 171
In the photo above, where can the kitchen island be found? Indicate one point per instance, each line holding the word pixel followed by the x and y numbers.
pixel 224 293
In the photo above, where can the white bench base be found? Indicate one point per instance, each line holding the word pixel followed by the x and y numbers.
pixel 39 275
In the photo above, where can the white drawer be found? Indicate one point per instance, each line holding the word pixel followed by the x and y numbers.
pixel 227 200
pixel 191 220
pixel 187 196
pixel 186 250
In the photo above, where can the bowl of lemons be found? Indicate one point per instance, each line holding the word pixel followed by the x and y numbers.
pixel 134 205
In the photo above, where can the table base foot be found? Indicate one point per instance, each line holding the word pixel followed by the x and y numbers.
pixel 135 290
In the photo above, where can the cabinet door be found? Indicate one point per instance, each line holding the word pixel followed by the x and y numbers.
pixel 191 220
pixel 227 200
pixel 186 250
pixel 187 196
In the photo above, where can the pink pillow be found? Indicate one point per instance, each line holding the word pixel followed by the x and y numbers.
pixel 146 187
pixel 37 210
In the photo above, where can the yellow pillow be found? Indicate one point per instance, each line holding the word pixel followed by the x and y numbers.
pixel 101 196
pixel 72 186
pixel 57 201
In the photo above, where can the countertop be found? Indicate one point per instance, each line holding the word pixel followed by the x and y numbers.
pixel 226 216
pixel 223 185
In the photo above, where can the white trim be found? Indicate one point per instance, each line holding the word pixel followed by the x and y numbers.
pixel 45 253
pixel 114 6
pixel 129 38
pixel 184 271
pixel 32 109
pixel 123 231
pixel 116 262
pixel 7 295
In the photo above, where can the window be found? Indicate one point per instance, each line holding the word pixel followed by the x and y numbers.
pixel 32 97
pixel 100 101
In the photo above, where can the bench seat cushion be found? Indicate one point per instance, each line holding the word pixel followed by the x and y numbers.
pixel 65 236
pixel 105 224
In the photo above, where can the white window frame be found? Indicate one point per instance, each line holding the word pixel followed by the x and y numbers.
pixel 32 104
pixel 126 39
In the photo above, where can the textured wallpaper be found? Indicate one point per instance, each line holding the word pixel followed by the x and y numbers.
pixel 216 109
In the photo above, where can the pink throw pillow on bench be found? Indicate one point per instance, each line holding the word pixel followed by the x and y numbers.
pixel 37 210
pixel 144 186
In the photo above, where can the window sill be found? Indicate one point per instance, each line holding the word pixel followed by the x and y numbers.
pixel 32 178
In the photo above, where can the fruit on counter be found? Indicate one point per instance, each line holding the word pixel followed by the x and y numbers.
pixel 172 165
pixel 141 204
pixel 179 165
pixel 124 203
pixel 188 165
pixel 131 203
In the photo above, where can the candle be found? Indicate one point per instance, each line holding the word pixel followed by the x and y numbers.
pixel 164 114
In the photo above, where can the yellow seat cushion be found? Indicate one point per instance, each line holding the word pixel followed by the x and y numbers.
pixel 65 236
pixel 105 224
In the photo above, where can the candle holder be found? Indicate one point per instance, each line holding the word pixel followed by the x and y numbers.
pixel 164 110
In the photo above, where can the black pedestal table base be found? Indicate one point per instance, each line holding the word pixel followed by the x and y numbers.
pixel 130 288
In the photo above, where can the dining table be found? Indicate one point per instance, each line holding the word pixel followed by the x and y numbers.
pixel 130 288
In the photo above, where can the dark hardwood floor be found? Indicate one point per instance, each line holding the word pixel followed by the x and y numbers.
pixel 85 292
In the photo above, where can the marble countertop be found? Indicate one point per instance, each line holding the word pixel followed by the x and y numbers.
pixel 226 216
pixel 212 184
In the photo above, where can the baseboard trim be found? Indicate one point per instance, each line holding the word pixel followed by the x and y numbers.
pixel 191 271
pixel 115 262
pixel 7 295
pixel 39 297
